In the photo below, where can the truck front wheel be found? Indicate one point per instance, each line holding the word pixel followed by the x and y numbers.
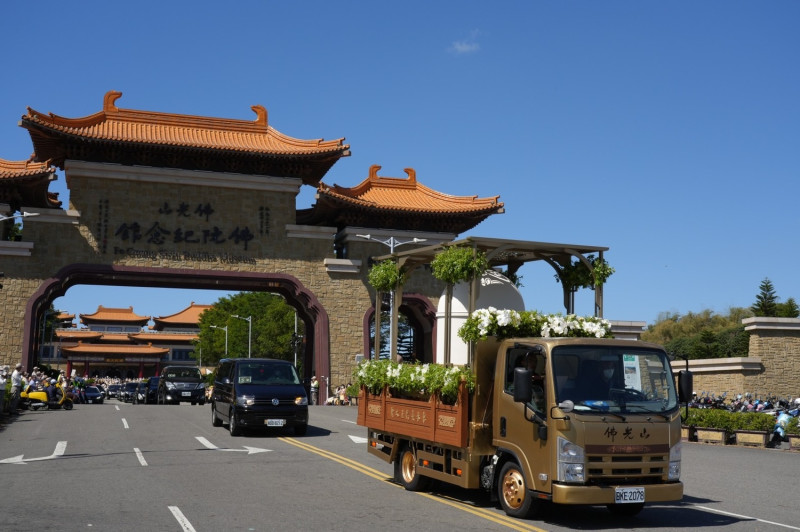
pixel 405 471
pixel 513 492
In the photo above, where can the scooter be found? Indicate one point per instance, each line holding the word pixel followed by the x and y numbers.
pixel 36 399
pixel 779 432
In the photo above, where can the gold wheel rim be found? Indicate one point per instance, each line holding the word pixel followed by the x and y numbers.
pixel 513 489
pixel 409 466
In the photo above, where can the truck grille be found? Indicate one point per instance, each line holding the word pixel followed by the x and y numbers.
pixel 626 469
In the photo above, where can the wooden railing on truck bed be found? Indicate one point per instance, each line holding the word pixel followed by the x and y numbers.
pixel 424 418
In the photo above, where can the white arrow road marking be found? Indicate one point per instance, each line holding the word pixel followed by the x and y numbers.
pixel 60 448
pixel 248 450
pixel 358 439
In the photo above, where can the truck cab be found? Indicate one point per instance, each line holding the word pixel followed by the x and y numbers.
pixel 585 421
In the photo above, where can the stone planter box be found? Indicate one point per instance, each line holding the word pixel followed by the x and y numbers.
pixel 713 436
pixel 752 438
pixel 794 442
pixel 688 433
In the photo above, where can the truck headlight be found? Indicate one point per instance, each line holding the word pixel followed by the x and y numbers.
pixel 570 461
pixel 675 462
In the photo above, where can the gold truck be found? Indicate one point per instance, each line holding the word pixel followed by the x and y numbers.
pixel 561 420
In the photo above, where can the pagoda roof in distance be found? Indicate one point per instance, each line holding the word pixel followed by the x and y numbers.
pixel 395 203
pixel 188 317
pixel 180 141
pixel 24 183
pixel 104 349
pixel 114 315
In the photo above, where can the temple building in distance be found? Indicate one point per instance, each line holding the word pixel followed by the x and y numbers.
pixel 117 342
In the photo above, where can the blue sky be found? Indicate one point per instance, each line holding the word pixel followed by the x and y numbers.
pixel 666 131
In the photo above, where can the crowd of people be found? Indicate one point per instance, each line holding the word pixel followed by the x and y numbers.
pixel 39 379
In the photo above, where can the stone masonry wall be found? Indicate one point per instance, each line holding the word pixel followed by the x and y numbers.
pixel 163 218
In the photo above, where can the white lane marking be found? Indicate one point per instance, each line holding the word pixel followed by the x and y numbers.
pixel 358 439
pixel 140 456
pixel 116 406
pixel 740 516
pixel 59 451
pixel 185 524
pixel 348 421
pixel 247 449
pixel 125 423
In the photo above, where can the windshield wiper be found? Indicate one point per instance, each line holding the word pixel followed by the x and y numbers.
pixel 647 410
pixel 602 410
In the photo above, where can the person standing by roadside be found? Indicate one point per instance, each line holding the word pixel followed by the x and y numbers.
pixel 314 390
pixel 3 379
pixel 16 387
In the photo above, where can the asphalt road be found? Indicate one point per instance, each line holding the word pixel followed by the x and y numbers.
pixel 126 467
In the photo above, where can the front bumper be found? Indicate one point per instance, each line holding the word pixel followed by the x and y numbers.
pixel 258 416
pixel 186 396
pixel 569 494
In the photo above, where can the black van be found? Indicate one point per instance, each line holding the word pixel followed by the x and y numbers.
pixel 258 393
pixel 181 384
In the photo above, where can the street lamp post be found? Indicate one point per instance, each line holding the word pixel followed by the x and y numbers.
pixel 393 243
pixel 249 320
pixel 226 336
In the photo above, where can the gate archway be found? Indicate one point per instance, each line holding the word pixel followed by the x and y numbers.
pixel 308 307
pixel 166 200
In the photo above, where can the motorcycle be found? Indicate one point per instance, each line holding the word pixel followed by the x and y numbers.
pixel 36 399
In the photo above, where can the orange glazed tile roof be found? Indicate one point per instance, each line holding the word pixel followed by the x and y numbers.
pixel 77 334
pixel 103 349
pixel 24 183
pixel 190 316
pixel 163 337
pixel 114 315
pixel 398 203
pixel 55 137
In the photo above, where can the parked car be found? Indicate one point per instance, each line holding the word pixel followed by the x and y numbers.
pixel 113 391
pixel 93 394
pixel 126 393
pixel 140 393
pixel 181 384
pixel 151 397
pixel 258 393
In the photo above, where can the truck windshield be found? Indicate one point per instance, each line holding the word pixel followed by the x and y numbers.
pixel 614 379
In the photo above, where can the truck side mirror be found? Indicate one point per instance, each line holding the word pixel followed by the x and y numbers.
pixel 685 386
pixel 522 385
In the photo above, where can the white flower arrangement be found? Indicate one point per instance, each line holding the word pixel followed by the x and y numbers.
pixel 505 323
pixel 429 379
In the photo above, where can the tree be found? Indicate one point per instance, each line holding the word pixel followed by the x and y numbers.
pixel 789 309
pixel 703 334
pixel 272 322
pixel 766 301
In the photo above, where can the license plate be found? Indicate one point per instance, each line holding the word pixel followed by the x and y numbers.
pixel 186 394
pixel 275 422
pixel 90 401
pixel 629 495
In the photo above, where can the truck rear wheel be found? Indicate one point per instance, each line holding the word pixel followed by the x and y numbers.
pixel 405 471
pixel 513 492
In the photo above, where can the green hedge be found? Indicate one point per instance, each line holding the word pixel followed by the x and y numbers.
pixel 710 418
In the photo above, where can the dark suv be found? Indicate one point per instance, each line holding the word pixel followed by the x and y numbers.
pixel 151 397
pixel 258 393
pixel 181 384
